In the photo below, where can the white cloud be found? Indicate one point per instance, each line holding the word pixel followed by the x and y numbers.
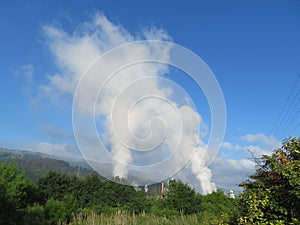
pixel 26 72
pixel 158 123
pixel 62 150
pixel 254 150
pixel 261 144
pixel 267 141
pixel 226 145
pixel 54 132
pixel 229 171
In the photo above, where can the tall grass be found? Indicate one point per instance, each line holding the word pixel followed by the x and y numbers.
pixel 124 218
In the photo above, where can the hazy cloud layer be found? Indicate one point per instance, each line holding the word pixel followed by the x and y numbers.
pixel 229 171
pixel 62 150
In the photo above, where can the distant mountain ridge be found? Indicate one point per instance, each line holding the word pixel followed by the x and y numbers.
pixel 18 154
pixel 37 164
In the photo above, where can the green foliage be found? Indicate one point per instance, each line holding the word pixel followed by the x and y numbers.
pixel 16 192
pixel 64 199
pixel 55 210
pixel 182 198
pixel 117 195
pixel 139 202
pixel 273 194
pixel 217 208
pixel 35 215
pixel 60 211
pixel 56 186
pixel 89 191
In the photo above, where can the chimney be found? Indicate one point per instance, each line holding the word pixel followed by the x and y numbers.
pixel 162 187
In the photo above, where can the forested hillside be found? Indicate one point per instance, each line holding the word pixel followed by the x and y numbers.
pixel 35 164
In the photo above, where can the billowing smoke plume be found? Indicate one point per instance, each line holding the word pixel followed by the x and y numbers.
pixel 139 119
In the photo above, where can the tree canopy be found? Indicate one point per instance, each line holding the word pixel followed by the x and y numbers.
pixel 272 195
pixel 56 198
pixel 181 197
pixel 16 192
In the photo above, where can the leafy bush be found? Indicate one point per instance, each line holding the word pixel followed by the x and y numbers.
pixel 217 208
pixel 60 211
pixel 272 196
pixel 16 193
pixel 35 215
pixel 182 198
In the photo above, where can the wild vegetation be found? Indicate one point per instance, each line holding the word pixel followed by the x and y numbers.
pixel 271 196
pixel 60 198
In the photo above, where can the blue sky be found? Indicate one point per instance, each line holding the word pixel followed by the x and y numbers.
pixel 252 47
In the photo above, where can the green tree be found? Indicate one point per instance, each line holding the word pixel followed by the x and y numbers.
pixel 56 186
pixel 58 212
pixel 35 215
pixel 139 202
pixel 181 197
pixel 90 191
pixel 217 208
pixel 16 193
pixel 272 196
pixel 118 195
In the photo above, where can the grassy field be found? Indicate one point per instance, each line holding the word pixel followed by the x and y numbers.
pixel 122 218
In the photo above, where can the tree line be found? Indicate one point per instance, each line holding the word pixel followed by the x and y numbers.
pixel 270 196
